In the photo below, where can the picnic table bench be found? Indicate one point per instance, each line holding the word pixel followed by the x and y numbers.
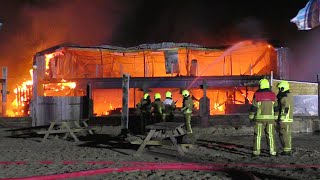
pixel 67 127
pixel 161 131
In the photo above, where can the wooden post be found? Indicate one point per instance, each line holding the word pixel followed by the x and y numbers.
pixel 88 104
pixel 34 98
pixel 4 91
pixel 204 107
pixel 171 69
pixel 134 96
pixel 125 102
pixel 318 81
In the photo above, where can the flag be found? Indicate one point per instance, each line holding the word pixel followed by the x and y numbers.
pixel 308 17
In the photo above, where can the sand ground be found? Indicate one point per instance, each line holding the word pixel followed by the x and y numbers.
pixel 228 149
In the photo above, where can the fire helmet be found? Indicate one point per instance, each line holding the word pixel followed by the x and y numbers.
pixel 146 95
pixel 283 86
pixel 185 93
pixel 264 84
pixel 157 96
pixel 168 94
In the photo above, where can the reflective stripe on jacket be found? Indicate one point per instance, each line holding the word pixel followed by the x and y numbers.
pixel 263 105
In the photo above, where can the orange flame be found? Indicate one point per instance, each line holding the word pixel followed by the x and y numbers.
pixel 218 106
pixel 48 57
pixel 23 92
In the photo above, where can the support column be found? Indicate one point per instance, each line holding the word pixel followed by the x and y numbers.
pixel 204 106
pixel 4 91
pixel 34 98
pixel 318 81
pixel 125 103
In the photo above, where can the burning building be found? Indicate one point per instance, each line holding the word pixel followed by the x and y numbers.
pixel 228 75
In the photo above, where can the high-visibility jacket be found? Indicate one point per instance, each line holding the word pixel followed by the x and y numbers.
pixel 158 106
pixel 262 107
pixel 144 105
pixel 187 105
pixel 284 107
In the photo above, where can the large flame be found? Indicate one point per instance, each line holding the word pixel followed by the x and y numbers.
pixel 48 57
pixel 23 92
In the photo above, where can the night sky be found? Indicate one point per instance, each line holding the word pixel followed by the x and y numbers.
pixel 133 22
pixel 33 25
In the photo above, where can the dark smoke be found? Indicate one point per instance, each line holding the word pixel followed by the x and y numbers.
pixel 251 28
pixel 34 25
pixel 305 56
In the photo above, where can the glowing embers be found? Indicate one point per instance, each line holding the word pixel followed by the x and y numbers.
pixel 109 101
pixel 108 110
pixel 62 88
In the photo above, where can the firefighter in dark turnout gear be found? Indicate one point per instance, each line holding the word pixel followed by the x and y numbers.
pixel 157 108
pixel 145 107
pixel 170 106
pixel 284 116
pixel 262 113
pixel 187 107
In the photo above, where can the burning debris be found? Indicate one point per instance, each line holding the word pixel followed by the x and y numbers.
pixel 23 93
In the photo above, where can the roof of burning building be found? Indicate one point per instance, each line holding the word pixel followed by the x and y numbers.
pixel 155 46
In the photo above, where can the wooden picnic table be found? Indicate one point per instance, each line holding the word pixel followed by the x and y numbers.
pixel 67 127
pixel 161 131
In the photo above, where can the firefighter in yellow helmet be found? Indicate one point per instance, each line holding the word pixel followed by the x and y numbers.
pixel 145 107
pixel 170 106
pixel 284 116
pixel 261 113
pixel 157 108
pixel 187 107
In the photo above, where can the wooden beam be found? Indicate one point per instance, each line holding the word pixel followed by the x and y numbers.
pixel 125 102
pixel 4 91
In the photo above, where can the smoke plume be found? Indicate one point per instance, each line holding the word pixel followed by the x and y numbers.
pixel 305 56
pixel 32 26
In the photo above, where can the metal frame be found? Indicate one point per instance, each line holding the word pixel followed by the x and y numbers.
pixel 168 82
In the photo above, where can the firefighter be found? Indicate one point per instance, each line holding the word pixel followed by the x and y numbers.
pixel 157 108
pixel 284 116
pixel 187 107
pixel 145 107
pixel 170 106
pixel 261 113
